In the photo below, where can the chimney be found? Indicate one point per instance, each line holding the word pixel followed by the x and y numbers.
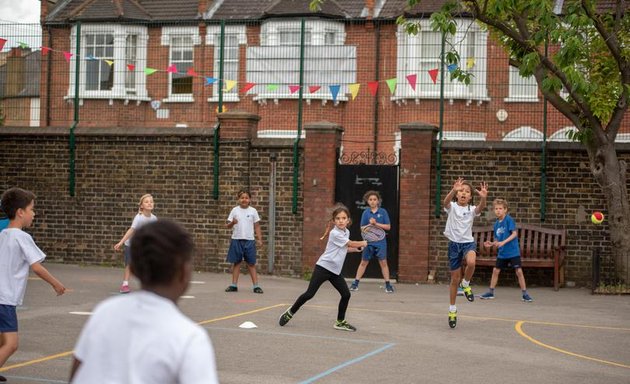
pixel 15 73
pixel 369 4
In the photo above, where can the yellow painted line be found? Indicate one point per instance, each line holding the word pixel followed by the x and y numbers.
pixel 64 354
pixel 519 330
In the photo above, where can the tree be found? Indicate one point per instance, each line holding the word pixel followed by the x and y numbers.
pixel 588 59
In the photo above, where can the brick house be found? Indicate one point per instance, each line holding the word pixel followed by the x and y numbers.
pixel 19 88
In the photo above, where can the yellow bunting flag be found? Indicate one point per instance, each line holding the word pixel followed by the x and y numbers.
pixel 470 62
pixel 229 84
pixel 354 89
pixel 109 62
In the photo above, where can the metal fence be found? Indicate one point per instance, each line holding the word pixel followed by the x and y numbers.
pixel 610 273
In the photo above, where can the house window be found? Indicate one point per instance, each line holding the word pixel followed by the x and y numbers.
pixel 420 54
pixel 234 37
pixel 522 89
pixel 181 42
pixel 105 52
pixel 276 62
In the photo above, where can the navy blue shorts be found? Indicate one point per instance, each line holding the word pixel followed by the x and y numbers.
pixel 242 250
pixel 514 262
pixel 8 318
pixel 457 252
pixel 380 251
pixel 127 255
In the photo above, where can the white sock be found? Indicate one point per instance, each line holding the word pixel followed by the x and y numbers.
pixel 125 282
pixel 465 283
pixel 452 308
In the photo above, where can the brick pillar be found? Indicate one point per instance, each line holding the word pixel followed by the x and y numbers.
pixel 320 161
pixel 415 201
pixel 238 125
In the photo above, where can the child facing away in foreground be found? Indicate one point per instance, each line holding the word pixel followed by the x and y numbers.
pixel 508 250
pixel 328 268
pixel 376 216
pixel 245 223
pixel 143 337
pixel 18 252
pixel 461 245
pixel 144 216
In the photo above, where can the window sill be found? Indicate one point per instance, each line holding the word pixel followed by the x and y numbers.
pixel 179 99
pixel 111 99
pixel 521 100
pixel 226 99
pixel 450 98
pixel 263 97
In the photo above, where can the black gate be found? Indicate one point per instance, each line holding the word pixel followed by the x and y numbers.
pixel 352 182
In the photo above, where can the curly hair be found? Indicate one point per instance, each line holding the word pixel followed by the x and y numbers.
pixel 159 251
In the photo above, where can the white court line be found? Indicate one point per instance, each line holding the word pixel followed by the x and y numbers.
pixel 81 313
pixel 197 282
pixel 187 297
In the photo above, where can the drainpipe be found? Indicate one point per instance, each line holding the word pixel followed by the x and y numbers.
pixel 77 64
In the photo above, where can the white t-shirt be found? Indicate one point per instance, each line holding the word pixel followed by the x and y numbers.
pixel 244 229
pixel 138 221
pixel 336 250
pixel 459 223
pixel 143 338
pixel 18 252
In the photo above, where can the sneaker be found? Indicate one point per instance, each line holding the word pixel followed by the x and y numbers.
pixel 460 291
pixel 452 319
pixel 285 317
pixel 389 288
pixel 344 326
pixel 487 296
pixel 231 288
pixel 258 290
pixel 2 378
pixel 124 288
pixel 354 287
pixel 468 293
pixel 527 298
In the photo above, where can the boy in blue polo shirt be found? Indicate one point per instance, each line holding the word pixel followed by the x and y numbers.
pixel 509 253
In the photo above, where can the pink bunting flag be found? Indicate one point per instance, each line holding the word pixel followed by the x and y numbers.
pixel 247 87
pixel 2 42
pixel 373 87
pixel 412 80
pixel 68 56
pixel 313 88
pixel 172 68
pixel 294 88
pixel 433 73
pixel 45 50
pixel 191 72
pixel 131 67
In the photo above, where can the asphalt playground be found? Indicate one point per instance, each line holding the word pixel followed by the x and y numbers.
pixel 569 336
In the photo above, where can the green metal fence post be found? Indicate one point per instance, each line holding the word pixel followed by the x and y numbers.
pixel 438 166
pixel 72 139
pixel 296 144
pixel 215 189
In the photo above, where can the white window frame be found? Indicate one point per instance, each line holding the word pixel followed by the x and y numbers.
pixel 524 133
pixel 469 36
pixel 213 33
pixel 522 89
pixel 119 90
pixel 168 34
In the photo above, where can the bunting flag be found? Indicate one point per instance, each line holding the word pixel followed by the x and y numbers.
pixel 433 73
pixel 391 83
pixel 191 72
pixel 334 91
pixel 131 67
pixel 470 62
pixel 229 84
pixel 109 62
pixel 45 50
pixel 23 45
pixel 2 43
pixel 373 87
pixel 313 88
pixel 354 89
pixel 412 80
pixel 294 88
pixel 90 57
pixel 272 87
pixel 452 67
pixel 211 80
pixel 149 71
pixel 68 56
pixel 247 87
pixel 171 69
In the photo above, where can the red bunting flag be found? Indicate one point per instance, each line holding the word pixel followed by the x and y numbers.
pixel 433 73
pixel 171 69
pixel 191 72
pixel 247 87
pixel 313 88
pixel 45 51
pixel 2 42
pixel 293 88
pixel 68 56
pixel 412 80
pixel 373 87
pixel 131 67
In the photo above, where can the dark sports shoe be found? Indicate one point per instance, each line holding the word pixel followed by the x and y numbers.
pixel 487 296
pixel 527 298
pixel 285 317
pixel 389 288
pixel 231 288
pixel 468 293
pixel 452 319
pixel 258 290
pixel 344 326
pixel 354 287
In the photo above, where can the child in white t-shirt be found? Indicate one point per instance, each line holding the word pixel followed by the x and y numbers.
pixel 461 244
pixel 18 251
pixel 143 337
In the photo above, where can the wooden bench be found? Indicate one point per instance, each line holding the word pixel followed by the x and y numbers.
pixel 540 248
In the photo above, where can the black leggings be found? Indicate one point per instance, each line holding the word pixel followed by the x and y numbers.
pixel 320 275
